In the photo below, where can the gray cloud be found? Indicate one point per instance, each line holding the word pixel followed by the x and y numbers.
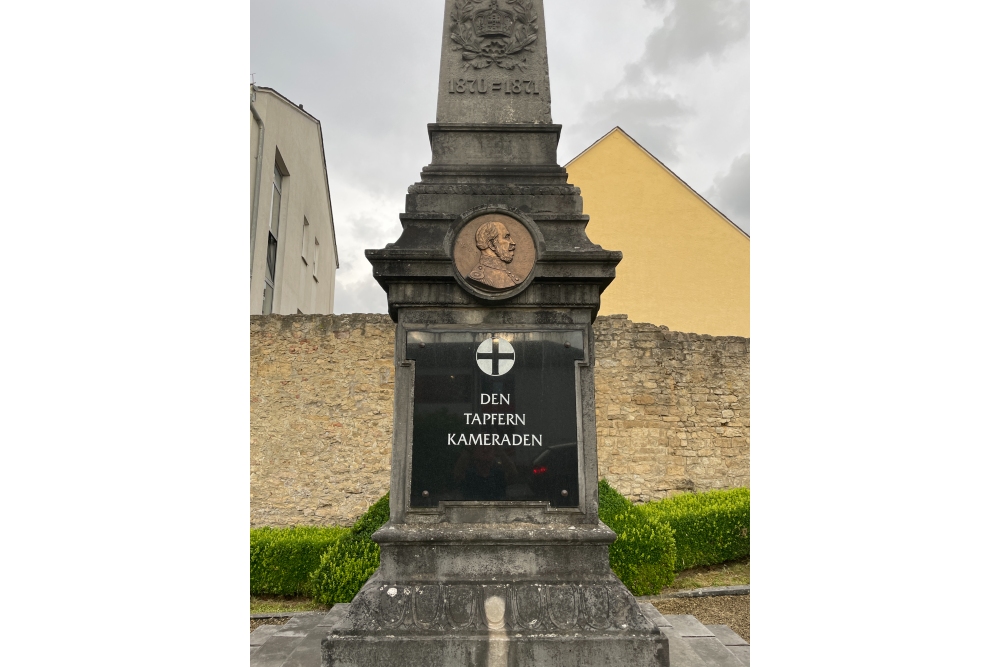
pixel 670 72
pixel 360 296
pixel 730 193
pixel 693 29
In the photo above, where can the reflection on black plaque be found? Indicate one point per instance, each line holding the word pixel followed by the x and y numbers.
pixel 495 416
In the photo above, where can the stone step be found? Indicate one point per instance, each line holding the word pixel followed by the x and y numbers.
pixel 736 644
pixel 297 643
pixel 261 635
pixel 693 644
pixel 309 652
pixel 275 649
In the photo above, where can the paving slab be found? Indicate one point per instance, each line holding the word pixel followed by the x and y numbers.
pixel 742 653
pixel 688 626
pixel 713 652
pixel 300 625
pixel 262 634
pixel 337 612
pixel 309 652
pixel 654 615
pixel 275 650
pixel 727 636
pixel 682 654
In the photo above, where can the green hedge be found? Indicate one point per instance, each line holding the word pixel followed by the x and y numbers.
pixel 281 559
pixel 709 528
pixel 332 563
pixel 352 560
pixel 643 555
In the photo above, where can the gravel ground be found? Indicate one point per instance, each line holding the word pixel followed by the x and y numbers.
pixel 257 622
pixel 731 610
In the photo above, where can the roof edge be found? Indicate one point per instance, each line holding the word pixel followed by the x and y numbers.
pixel 669 170
pixel 286 101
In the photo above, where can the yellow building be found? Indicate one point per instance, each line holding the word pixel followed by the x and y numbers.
pixel 686 265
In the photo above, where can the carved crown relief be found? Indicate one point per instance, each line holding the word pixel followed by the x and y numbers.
pixel 488 34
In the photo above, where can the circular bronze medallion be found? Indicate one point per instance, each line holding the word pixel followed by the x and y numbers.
pixel 494 253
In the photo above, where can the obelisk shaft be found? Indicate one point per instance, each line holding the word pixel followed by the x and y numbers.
pixel 494 63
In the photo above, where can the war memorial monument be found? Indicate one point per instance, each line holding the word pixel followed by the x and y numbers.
pixel 493 553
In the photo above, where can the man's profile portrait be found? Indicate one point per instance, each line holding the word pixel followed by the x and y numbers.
pixel 496 251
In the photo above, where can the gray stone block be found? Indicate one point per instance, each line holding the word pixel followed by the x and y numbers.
pixel 713 652
pixel 742 653
pixel 276 650
pixel 525 650
pixel 727 636
pixel 308 653
pixel 262 634
pixel 653 615
pixel 299 626
pixel 682 654
pixel 688 626
pixel 712 591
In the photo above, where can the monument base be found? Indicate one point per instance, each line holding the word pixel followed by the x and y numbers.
pixel 495 650
pixel 491 594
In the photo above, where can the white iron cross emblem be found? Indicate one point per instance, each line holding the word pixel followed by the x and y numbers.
pixel 495 356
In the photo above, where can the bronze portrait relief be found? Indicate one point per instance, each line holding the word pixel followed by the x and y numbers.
pixel 494 252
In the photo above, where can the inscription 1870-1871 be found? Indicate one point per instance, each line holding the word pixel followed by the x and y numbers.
pixel 482 85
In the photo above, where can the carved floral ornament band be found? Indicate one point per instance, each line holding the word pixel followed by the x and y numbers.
pixel 488 34
pixel 514 607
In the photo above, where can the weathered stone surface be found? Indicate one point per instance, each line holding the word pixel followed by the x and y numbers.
pixel 320 417
pixel 321 413
pixel 673 409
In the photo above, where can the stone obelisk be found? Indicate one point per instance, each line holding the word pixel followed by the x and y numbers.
pixel 494 553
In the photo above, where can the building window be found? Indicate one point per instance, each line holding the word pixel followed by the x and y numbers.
pixel 316 261
pixel 272 242
pixel 305 241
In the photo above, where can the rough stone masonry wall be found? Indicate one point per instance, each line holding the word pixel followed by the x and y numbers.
pixel 673 409
pixel 320 416
pixel 673 413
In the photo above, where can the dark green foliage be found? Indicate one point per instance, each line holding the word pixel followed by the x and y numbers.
pixel 644 553
pixel 373 519
pixel 709 528
pixel 352 560
pixel 344 569
pixel 281 559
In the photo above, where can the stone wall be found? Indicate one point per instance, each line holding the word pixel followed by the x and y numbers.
pixel 673 413
pixel 673 409
pixel 320 416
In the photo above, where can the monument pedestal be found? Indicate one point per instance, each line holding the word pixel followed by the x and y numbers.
pixel 489 594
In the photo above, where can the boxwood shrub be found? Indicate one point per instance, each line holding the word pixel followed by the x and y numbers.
pixel 332 563
pixel 351 560
pixel 281 559
pixel 643 555
pixel 709 528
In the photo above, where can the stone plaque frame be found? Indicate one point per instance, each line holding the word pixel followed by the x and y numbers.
pixel 497 511
pixel 455 236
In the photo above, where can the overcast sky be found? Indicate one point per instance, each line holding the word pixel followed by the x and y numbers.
pixel 674 74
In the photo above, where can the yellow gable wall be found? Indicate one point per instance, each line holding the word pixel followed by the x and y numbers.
pixel 685 265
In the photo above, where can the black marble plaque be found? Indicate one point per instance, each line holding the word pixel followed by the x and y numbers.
pixel 495 416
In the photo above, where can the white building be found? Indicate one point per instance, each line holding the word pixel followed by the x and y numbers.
pixel 293 244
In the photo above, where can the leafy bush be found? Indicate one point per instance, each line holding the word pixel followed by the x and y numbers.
pixel 281 559
pixel 352 560
pixel 373 519
pixel 643 555
pixel 709 528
